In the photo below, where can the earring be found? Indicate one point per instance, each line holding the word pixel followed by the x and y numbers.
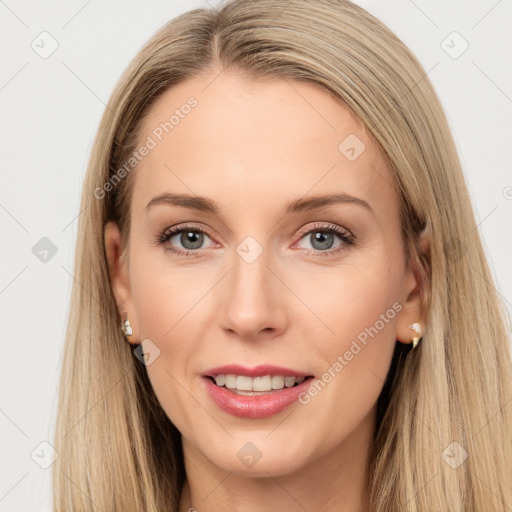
pixel 416 327
pixel 126 327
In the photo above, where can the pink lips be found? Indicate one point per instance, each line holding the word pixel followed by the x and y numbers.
pixel 254 406
pixel 257 371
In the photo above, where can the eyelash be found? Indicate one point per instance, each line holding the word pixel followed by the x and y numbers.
pixel 347 237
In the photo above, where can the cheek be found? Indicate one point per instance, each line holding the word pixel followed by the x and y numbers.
pixel 171 314
pixel 347 300
pixel 166 295
pixel 358 308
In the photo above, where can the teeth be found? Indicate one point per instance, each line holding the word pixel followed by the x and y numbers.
pixel 265 383
pixel 230 381
pixel 262 383
pixel 244 383
pixel 277 382
pixel 289 381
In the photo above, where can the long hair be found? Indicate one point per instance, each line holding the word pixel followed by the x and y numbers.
pixel 448 400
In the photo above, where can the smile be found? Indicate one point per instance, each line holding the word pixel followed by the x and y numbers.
pixel 255 393
pixel 245 385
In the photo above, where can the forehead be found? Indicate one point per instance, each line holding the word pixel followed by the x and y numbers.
pixel 247 143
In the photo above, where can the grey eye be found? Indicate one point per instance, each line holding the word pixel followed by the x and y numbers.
pixel 190 239
pixel 321 240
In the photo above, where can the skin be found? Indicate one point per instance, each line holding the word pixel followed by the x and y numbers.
pixel 252 147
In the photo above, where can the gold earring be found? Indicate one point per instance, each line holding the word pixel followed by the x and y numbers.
pixel 126 327
pixel 415 327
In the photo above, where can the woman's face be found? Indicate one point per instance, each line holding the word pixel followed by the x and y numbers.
pixel 265 274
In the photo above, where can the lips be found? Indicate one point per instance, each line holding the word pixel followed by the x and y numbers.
pixel 257 371
pixel 256 392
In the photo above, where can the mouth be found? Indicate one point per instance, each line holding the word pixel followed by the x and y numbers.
pixel 255 393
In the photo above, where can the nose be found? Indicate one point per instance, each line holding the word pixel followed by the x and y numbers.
pixel 253 301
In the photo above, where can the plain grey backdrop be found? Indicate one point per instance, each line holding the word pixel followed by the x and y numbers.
pixel 60 62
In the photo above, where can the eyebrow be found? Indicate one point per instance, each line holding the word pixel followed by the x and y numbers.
pixel 298 205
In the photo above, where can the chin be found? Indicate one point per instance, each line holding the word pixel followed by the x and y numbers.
pixel 257 455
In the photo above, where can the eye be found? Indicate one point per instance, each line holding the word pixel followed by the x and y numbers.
pixel 322 238
pixel 190 237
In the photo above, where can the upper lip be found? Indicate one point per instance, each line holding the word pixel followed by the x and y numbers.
pixel 256 371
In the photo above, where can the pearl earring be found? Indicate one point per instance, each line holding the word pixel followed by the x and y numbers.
pixel 416 327
pixel 126 327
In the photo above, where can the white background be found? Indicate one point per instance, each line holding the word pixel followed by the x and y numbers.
pixel 50 112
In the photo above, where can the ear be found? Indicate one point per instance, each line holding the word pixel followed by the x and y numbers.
pixel 120 277
pixel 413 294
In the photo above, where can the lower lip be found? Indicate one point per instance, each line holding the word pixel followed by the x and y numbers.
pixel 255 406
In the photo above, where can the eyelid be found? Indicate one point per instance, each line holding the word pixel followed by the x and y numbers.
pixel 325 225
pixel 303 231
pixel 173 230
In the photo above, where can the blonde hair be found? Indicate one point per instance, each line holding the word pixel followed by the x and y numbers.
pixel 117 448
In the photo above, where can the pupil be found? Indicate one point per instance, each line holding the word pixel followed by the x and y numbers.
pixel 323 238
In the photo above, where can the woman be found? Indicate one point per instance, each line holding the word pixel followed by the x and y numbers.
pixel 282 299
